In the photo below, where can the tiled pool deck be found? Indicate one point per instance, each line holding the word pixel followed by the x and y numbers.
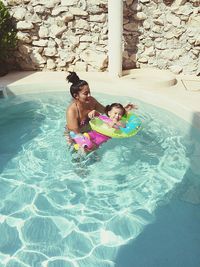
pixel 150 85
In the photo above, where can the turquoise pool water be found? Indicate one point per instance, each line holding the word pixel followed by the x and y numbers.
pixel 133 203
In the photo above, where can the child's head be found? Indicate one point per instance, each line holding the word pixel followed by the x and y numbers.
pixel 115 111
pixel 79 88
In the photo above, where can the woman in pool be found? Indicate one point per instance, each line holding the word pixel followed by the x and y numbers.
pixel 84 107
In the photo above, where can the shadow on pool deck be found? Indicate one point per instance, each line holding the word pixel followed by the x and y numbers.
pixel 15 76
pixel 173 239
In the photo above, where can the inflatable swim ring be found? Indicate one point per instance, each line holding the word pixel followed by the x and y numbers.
pixel 88 141
pixel 132 122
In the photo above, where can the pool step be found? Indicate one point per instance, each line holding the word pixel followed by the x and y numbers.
pixel 3 91
pixel 151 77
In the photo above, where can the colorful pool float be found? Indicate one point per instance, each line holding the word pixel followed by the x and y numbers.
pixel 88 141
pixel 131 121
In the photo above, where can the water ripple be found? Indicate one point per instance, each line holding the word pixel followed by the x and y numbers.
pixel 60 208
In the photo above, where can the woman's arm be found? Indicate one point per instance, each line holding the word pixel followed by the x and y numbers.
pixel 98 106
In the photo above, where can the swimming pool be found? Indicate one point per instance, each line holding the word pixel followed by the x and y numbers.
pixel 134 202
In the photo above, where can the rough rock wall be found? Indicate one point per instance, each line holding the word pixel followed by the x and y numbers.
pixel 73 34
pixel 59 34
pixel 163 34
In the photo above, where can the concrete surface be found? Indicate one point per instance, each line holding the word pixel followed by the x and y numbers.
pixel 161 88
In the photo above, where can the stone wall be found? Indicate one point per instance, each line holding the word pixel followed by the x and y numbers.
pixel 73 34
pixel 163 34
pixel 61 34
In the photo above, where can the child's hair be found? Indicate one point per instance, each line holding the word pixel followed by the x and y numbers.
pixel 114 105
pixel 76 83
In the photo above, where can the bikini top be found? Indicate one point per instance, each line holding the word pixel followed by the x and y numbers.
pixel 83 122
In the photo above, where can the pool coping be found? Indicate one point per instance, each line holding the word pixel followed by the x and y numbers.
pixel 159 88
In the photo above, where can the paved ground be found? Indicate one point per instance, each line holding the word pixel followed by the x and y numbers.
pixel 178 94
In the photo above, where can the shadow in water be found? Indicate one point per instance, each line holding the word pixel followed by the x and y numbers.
pixel 173 239
pixel 19 123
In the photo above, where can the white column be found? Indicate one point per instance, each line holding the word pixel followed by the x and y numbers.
pixel 115 31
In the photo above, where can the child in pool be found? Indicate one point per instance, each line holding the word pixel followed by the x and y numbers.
pixel 115 112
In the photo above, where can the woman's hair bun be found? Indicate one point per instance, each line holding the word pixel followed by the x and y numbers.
pixel 72 77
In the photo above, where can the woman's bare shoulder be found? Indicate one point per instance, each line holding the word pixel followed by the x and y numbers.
pixel 71 109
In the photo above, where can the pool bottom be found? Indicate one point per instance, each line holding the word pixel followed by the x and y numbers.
pixel 171 240
pixel 55 212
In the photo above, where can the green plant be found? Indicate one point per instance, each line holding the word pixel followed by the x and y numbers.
pixel 8 38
